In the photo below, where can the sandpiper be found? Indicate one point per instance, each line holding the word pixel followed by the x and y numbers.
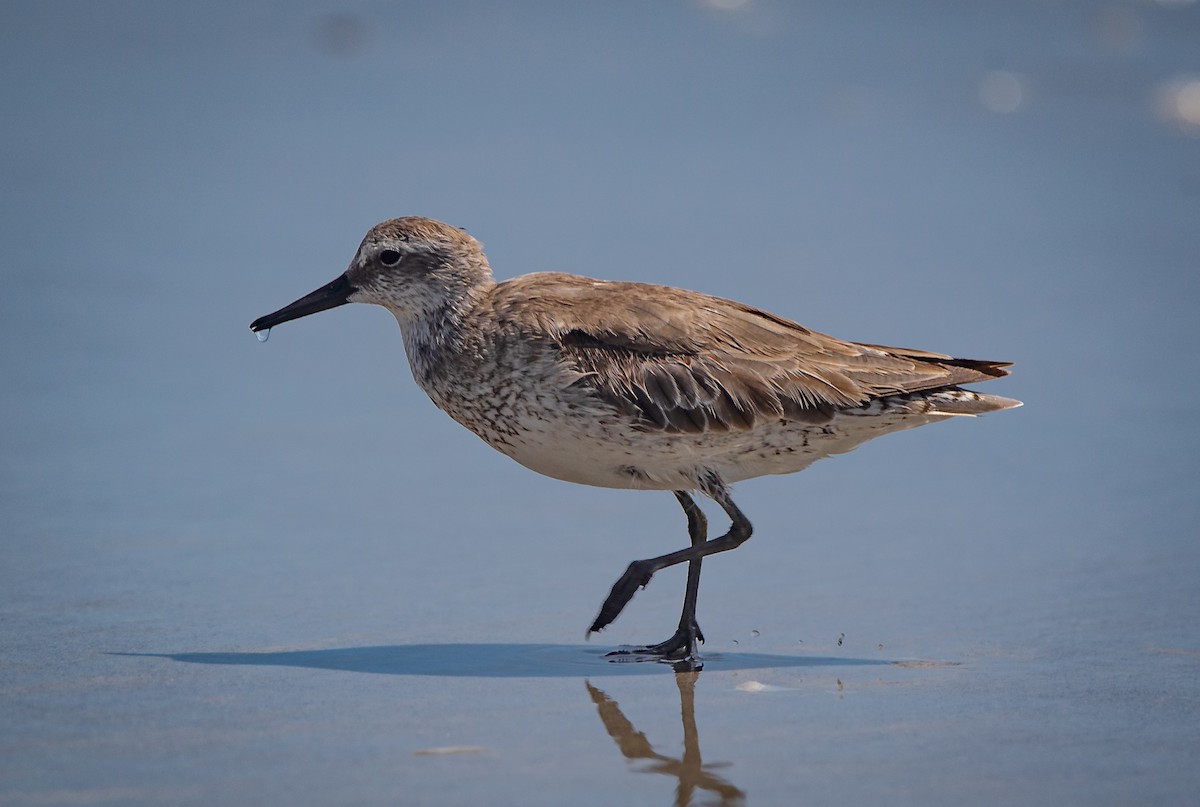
pixel 632 385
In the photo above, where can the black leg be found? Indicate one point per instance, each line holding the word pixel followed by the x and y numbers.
pixel 640 571
pixel 698 532
pixel 682 645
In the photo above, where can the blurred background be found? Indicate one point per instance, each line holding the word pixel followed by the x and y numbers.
pixel 1016 181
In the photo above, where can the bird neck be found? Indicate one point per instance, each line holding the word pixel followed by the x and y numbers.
pixel 437 335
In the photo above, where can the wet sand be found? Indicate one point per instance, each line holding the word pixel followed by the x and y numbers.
pixel 246 573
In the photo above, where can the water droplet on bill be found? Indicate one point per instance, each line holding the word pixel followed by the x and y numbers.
pixel 263 335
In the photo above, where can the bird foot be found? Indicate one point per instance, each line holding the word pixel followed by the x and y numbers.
pixel 636 576
pixel 679 649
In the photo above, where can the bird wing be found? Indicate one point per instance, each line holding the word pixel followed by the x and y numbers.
pixel 683 361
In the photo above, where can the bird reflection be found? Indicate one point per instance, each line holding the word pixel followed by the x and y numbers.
pixel 692 773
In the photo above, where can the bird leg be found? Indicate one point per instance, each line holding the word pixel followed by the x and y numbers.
pixel 683 643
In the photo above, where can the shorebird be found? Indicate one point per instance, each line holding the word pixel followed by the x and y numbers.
pixel 632 385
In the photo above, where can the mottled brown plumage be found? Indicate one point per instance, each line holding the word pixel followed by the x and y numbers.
pixel 688 362
pixel 637 386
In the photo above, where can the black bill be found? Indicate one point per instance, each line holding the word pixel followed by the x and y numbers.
pixel 331 295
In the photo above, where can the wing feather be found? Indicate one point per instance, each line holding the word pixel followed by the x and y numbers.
pixel 686 362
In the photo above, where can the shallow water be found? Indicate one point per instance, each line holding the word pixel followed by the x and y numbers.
pixel 236 572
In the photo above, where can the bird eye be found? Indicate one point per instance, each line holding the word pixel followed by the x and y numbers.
pixel 389 257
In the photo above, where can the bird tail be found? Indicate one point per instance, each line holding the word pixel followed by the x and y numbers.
pixel 955 401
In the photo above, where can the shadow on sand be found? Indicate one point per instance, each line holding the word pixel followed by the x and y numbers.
pixel 494 660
